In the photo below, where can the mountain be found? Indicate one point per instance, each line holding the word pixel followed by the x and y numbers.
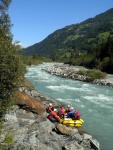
pixel 76 38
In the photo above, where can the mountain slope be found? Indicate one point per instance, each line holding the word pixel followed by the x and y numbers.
pixel 74 38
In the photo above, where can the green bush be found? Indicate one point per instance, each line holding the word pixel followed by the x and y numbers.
pixel 8 140
pixel 1 147
pixel 12 69
pixel 93 74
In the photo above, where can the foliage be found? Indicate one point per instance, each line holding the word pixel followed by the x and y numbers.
pixel 93 74
pixel 11 66
pixel 9 140
pixel 1 123
pixel 1 147
pixel 32 60
pixel 99 57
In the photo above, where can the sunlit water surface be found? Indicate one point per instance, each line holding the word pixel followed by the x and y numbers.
pixel 94 102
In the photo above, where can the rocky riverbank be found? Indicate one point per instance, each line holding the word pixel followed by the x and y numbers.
pixel 27 128
pixel 71 72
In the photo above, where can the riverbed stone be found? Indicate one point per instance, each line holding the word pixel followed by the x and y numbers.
pixel 71 72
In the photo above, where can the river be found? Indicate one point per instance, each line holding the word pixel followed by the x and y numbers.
pixel 94 102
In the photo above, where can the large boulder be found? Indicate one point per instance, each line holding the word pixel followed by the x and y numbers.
pixel 62 129
pixel 31 104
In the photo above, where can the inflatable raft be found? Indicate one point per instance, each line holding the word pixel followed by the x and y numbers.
pixel 71 122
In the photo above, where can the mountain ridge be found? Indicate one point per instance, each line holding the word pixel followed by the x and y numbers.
pixel 76 37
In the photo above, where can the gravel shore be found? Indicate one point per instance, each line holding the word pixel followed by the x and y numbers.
pixel 70 72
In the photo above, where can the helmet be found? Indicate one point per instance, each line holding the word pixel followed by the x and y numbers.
pixel 72 108
pixel 68 105
pixel 50 104
pixel 55 109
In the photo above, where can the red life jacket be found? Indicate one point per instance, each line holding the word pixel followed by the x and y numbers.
pixel 61 111
pixel 77 116
pixel 50 108
pixel 54 114
pixel 50 116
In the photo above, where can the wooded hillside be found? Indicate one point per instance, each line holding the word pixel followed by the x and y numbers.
pixel 77 37
pixel 86 38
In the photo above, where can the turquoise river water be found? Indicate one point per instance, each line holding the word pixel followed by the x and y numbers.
pixel 94 102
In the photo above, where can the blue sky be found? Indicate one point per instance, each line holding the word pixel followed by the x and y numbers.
pixel 34 20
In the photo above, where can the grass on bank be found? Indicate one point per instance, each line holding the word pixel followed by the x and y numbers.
pixel 9 140
pixel 93 74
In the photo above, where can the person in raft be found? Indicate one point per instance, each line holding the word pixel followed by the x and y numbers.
pixel 71 113
pixel 61 112
pixel 68 108
pixel 76 115
pixel 53 116
pixel 49 108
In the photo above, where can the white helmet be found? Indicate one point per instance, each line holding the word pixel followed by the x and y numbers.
pixel 68 105
pixel 55 109
pixel 50 104
pixel 72 108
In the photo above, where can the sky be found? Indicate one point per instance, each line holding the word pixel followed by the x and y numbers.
pixel 34 20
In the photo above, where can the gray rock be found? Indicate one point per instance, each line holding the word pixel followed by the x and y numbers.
pixel 95 144
pixel 72 146
pixel 87 136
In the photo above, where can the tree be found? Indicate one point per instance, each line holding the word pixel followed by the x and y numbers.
pixel 11 67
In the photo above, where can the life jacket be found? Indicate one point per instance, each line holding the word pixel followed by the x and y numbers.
pixel 49 109
pixel 54 114
pixel 61 111
pixel 68 109
pixel 50 116
pixel 77 116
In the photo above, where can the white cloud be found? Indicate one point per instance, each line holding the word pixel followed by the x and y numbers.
pixel 21 44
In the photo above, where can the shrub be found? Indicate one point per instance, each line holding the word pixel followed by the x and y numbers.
pixel 93 74
pixel 8 140
pixel 11 65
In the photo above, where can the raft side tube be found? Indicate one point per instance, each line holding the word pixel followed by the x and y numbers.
pixel 70 122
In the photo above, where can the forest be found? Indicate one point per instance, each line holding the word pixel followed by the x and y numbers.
pixel 99 57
